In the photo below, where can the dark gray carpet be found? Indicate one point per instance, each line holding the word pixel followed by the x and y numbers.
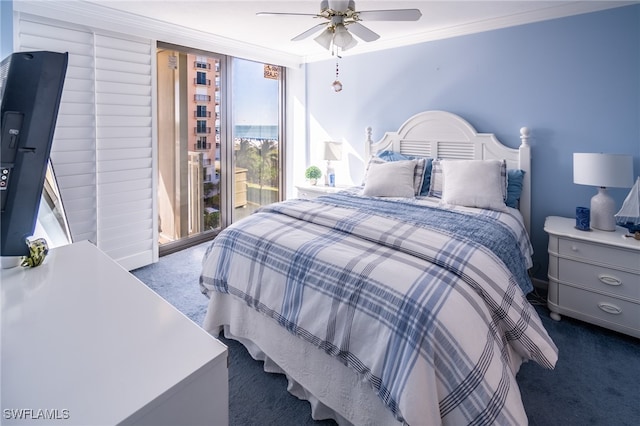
pixel 596 380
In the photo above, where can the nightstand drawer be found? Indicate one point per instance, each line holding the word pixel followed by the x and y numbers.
pixel 604 309
pixel 598 278
pixel 616 257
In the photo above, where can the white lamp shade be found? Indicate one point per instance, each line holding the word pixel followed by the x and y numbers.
pixel 603 170
pixel 332 151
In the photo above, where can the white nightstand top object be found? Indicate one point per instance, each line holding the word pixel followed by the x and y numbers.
pixel 564 226
pixel 322 188
pixel 86 340
pixel 312 191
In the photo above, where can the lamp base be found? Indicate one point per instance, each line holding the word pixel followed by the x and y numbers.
pixel 330 175
pixel 603 207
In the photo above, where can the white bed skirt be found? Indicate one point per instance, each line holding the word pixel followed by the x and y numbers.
pixel 333 390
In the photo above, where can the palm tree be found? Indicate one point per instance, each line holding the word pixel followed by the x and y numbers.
pixel 269 163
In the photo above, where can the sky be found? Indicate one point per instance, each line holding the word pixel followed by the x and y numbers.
pixel 255 98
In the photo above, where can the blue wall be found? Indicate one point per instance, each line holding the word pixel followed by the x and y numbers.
pixel 6 28
pixel 574 81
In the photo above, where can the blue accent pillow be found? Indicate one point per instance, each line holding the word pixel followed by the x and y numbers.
pixel 514 187
pixel 393 156
pixel 426 182
pixel 396 156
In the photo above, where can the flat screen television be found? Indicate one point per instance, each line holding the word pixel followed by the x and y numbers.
pixel 30 90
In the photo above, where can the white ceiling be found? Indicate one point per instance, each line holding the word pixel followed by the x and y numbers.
pixel 237 21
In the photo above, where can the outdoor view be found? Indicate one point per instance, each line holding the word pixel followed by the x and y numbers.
pixel 191 142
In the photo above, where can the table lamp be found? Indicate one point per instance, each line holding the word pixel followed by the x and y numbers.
pixel 604 171
pixel 332 152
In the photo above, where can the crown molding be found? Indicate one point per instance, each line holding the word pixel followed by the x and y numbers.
pixel 560 10
pixel 95 16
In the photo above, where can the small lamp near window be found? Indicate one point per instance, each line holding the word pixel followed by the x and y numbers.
pixel 603 171
pixel 332 152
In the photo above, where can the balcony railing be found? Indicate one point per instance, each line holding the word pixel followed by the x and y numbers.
pixel 202 98
pixel 199 130
pixel 205 82
pixel 207 114
pixel 201 146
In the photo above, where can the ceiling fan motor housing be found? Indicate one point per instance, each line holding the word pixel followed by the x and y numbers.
pixel 337 6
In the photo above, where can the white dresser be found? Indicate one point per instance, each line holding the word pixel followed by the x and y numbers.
pixel 594 276
pixel 84 342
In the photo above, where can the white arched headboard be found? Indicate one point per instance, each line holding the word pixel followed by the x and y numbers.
pixel 441 134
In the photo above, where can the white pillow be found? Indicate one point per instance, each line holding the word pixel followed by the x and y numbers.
pixel 418 175
pixel 473 183
pixel 390 179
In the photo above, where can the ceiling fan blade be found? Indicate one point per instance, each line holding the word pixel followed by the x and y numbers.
pixel 390 15
pixel 285 14
pixel 363 32
pixel 309 32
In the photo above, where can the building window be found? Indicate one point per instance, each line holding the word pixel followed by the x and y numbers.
pixel 201 78
pixel 201 98
pixel 201 144
pixel 201 111
pixel 201 126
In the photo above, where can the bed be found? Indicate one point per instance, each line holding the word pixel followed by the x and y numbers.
pixel 384 307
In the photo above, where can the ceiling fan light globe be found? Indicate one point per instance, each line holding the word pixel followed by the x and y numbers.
pixel 353 43
pixel 325 38
pixel 342 37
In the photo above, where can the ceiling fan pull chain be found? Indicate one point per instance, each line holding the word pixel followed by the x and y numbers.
pixel 337 86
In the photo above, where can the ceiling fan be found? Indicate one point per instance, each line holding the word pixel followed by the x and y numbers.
pixel 342 14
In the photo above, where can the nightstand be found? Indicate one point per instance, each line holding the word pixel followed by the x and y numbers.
pixel 594 276
pixel 313 191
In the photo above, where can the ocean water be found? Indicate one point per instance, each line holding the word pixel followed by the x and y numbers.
pixel 251 131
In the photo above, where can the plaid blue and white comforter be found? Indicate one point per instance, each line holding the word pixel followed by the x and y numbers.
pixel 427 304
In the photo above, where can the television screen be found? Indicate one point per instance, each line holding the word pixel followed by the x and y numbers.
pixel 30 90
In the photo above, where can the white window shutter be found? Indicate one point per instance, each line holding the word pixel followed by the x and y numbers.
pixel 103 149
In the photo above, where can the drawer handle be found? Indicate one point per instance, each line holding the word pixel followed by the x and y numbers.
pixel 609 280
pixel 610 309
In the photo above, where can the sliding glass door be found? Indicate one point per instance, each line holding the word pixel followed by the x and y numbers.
pixel 219 144
pixel 256 99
